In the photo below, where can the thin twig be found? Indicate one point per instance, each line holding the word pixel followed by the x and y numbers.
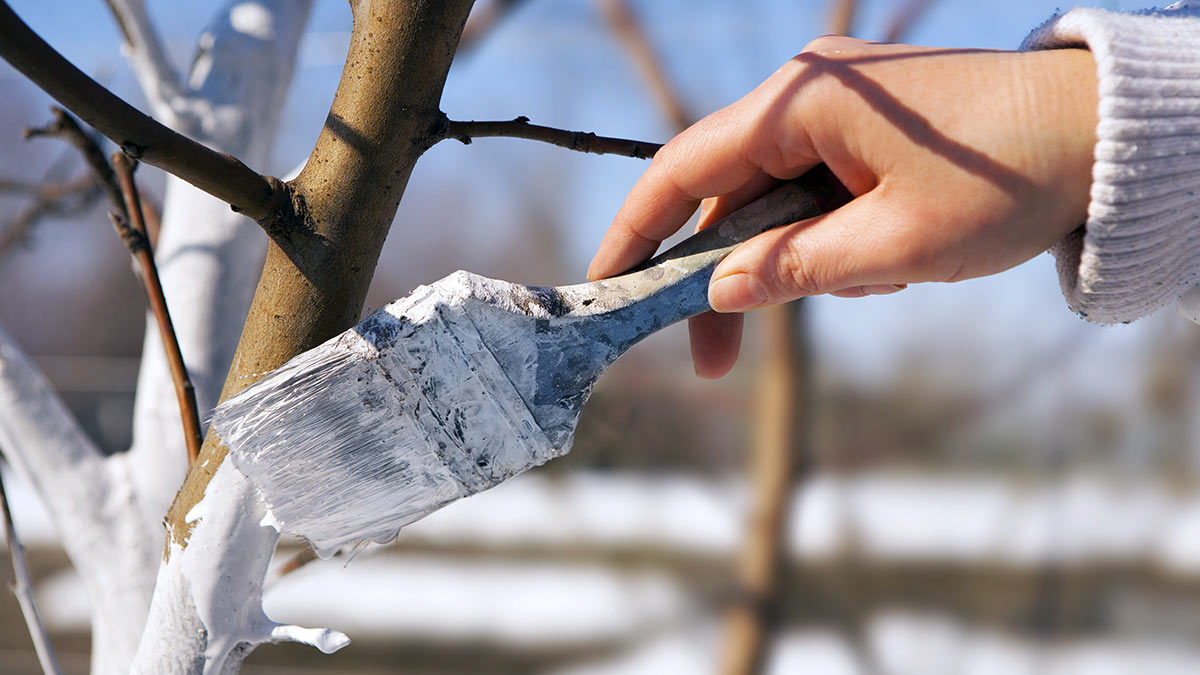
pixel 23 589
pixel 904 19
pixel 483 21
pixel 152 215
pixel 17 185
pixel 133 233
pixel 221 175
pixel 145 48
pixel 56 199
pixel 296 562
pixel 841 17
pixel 65 127
pixel 624 24
pixel 580 141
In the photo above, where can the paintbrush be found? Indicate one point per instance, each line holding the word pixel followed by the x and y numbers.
pixel 464 383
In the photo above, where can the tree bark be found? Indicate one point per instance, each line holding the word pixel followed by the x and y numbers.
pixel 324 250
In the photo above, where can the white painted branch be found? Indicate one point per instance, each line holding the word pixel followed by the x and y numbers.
pixel 144 51
pixel 91 502
pixel 23 589
pixel 108 511
pixel 208 256
pixel 207 612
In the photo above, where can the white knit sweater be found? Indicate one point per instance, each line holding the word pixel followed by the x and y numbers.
pixel 1140 247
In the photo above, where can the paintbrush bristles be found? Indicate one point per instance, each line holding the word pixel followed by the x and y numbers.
pixel 383 424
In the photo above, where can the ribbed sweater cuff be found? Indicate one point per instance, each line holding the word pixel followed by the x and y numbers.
pixel 1140 247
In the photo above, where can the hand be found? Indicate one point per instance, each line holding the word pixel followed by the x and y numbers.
pixel 963 163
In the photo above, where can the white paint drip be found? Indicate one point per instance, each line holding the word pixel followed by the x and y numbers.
pixel 227 597
pixel 385 423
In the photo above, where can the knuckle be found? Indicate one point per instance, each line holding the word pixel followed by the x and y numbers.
pixel 831 43
pixel 821 44
pixel 794 274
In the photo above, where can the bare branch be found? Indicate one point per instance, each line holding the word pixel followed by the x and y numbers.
pixel 152 214
pixel 50 200
pixel 580 141
pixel 841 19
pixel 138 242
pixel 483 21
pixel 296 562
pixel 904 19
pixel 628 30
pixel 46 446
pixel 23 589
pixel 17 185
pixel 139 136
pixel 66 128
pixel 145 51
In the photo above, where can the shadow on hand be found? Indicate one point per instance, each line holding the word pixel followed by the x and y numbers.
pixel 909 122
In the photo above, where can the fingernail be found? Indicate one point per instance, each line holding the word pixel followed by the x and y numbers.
pixel 737 292
pixel 883 289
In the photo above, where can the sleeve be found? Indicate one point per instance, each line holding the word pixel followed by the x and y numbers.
pixel 1140 246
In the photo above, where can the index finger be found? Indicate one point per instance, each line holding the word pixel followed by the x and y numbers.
pixel 712 157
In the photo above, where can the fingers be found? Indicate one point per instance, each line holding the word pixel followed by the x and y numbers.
pixel 716 208
pixel 716 339
pixel 719 155
pixel 873 289
pixel 856 250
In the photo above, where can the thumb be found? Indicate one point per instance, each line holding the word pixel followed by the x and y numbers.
pixel 859 244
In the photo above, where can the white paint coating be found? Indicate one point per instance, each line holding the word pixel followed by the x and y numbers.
pixel 108 510
pixel 223 585
pixel 90 499
pixel 1189 304
pixel 428 415
pixel 252 19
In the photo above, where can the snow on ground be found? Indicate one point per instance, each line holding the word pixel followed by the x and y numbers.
pixel 906 644
pixel 521 604
pixel 384 595
pixel 892 516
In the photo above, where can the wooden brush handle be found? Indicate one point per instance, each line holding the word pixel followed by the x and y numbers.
pixel 673 285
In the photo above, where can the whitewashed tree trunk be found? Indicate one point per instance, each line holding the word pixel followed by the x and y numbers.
pixel 109 511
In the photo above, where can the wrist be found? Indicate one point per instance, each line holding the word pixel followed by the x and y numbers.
pixel 1061 94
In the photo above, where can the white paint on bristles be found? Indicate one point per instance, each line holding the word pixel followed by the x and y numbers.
pixel 426 414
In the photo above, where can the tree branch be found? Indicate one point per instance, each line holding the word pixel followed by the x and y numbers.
pixel 133 233
pixel 94 513
pixel 905 18
pixel 580 141
pixel 23 589
pixel 221 175
pixel 144 51
pixel 628 30
pixel 17 185
pixel 482 22
pixel 382 119
pixel 49 200
pixel 841 16
pixel 64 127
